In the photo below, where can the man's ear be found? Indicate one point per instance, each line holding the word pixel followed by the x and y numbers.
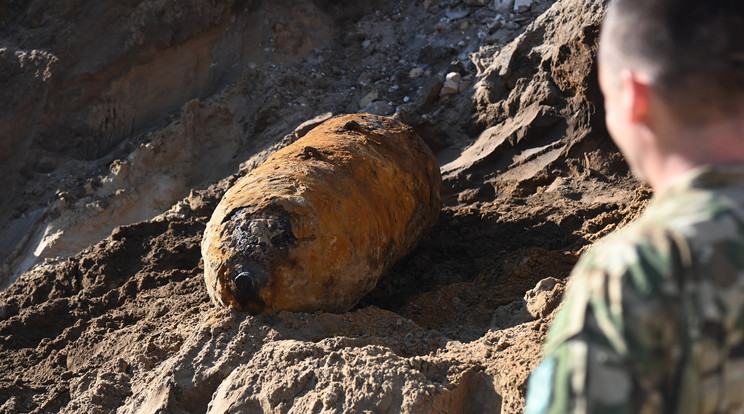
pixel 636 97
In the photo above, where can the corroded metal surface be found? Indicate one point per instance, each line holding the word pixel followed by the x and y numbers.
pixel 316 225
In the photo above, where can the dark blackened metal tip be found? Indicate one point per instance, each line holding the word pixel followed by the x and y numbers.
pixel 244 282
pixel 247 292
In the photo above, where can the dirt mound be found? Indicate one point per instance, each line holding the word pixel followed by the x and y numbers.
pixel 138 115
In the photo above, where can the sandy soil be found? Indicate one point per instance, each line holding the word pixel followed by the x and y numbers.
pixel 124 124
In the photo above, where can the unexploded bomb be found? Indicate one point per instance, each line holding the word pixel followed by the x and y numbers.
pixel 316 225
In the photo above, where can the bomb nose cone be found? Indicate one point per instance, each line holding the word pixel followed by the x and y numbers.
pixel 247 289
pixel 245 284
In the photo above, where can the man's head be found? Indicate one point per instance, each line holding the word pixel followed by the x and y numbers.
pixel 668 67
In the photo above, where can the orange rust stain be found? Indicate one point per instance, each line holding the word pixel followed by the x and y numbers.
pixel 359 192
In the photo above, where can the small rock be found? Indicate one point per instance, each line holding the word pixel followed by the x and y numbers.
pixel 449 88
pixel 502 5
pixel 544 297
pixel 451 84
pixel 416 72
pixel 367 99
pixel 453 76
pixel 522 5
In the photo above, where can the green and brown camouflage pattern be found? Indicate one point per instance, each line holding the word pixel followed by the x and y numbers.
pixel 653 318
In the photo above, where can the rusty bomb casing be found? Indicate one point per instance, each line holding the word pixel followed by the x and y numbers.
pixel 317 225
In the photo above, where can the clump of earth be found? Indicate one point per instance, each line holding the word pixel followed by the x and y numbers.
pixel 124 123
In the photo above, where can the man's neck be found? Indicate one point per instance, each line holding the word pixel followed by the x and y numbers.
pixel 716 143
pixel 670 170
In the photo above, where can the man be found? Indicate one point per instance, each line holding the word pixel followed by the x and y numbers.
pixel 653 318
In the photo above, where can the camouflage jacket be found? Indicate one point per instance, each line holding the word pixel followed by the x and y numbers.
pixel 653 318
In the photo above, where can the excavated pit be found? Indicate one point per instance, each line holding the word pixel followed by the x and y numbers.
pixel 124 124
